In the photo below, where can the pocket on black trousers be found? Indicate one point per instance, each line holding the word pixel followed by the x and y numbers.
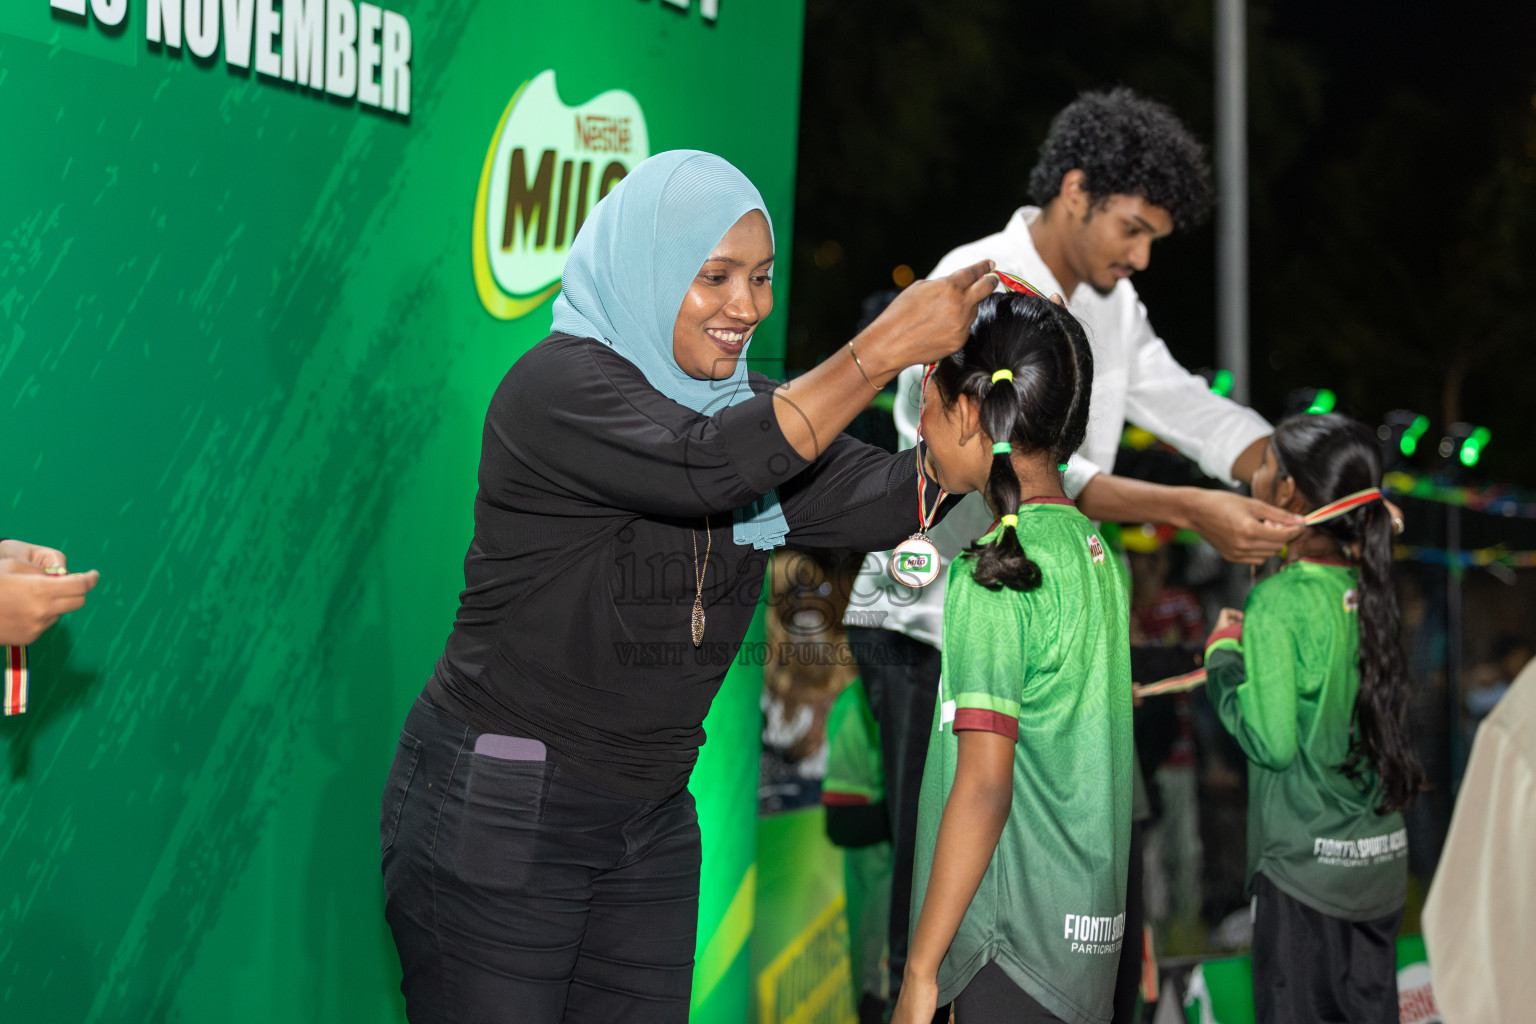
pixel 499 835
pixel 401 771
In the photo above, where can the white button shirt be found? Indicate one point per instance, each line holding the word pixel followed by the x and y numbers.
pixel 1135 378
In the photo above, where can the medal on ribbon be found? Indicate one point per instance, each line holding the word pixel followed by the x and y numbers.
pixel 915 561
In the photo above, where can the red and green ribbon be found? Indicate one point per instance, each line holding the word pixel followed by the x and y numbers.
pixel 15 679
pixel 1345 504
pixel 1018 284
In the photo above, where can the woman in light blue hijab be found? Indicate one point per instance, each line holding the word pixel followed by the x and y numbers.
pixel 644 244
pixel 540 846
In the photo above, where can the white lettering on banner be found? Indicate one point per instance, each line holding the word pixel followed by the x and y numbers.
pixel 203 27
pixel 1360 852
pixel 340 52
pixel 109 12
pixel 396 73
pixel 268 25
pixel 304 42
pixel 346 48
pixel 163 22
pixel 238 15
pixel 369 18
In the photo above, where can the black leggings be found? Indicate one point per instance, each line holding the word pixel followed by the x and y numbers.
pixel 993 998
pixel 1310 967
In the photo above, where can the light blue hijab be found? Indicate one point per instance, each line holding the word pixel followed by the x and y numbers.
pixel 629 268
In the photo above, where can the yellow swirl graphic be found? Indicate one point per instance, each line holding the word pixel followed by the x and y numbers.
pixel 497 302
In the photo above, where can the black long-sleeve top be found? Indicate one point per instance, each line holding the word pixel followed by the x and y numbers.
pixel 574 623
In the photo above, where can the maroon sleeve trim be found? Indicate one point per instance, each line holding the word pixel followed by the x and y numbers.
pixel 978 720
pixel 830 798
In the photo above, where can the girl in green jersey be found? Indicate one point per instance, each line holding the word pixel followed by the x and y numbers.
pixel 1310 680
pixel 1024 817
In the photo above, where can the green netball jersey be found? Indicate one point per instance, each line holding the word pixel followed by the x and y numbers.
pixel 1051 668
pixel 1286 690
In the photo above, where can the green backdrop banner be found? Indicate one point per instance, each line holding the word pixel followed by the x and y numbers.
pixel 800 967
pixel 262 263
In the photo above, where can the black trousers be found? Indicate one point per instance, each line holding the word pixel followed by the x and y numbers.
pixel 519 893
pixel 901 677
pixel 1128 975
pixel 1309 968
pixel 993 998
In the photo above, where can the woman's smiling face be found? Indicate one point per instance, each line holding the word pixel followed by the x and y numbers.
pixel 731 294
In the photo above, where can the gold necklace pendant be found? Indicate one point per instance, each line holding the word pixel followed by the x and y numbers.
pixel 697 622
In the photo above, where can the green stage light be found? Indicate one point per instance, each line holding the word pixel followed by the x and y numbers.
pixel 1400 433
pixel 1323 401
pixel 1309 401
pixel 1472 447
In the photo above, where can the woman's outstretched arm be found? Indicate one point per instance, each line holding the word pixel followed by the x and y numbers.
pixel 926 322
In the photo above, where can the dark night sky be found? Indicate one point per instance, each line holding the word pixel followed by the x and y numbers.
pixel 1392 169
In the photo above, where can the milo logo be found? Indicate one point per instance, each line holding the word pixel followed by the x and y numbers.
pixel 1351 600
pixel 915 562
pixel 547 165
pixel 1096 549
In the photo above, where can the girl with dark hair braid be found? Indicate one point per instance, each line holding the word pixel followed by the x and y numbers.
pixel 1309 678
pixel 1025 813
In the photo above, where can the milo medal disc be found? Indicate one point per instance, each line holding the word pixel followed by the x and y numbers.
pixel 915 562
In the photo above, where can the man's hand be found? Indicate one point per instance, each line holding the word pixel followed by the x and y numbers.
pixel 1243 530
pixel 31 600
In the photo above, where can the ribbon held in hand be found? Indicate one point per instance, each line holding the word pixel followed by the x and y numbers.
pixel 1348 503
pixel 1018 284
pixel 15 680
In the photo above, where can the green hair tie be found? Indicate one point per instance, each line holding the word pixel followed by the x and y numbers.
pixel 1002 375
pixel 1009 520
pixel 1002 448
pixel 1061 467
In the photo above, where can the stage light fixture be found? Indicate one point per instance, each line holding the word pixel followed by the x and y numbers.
pixel 1463 443
pixel 1310 401
pixel 1472 447
pixel 1400 432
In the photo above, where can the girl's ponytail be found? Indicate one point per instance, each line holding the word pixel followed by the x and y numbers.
pixel 1003 562
pixel 1381 708
pixel 1029 368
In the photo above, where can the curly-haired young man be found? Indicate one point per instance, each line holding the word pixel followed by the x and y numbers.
pixel 1116 173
